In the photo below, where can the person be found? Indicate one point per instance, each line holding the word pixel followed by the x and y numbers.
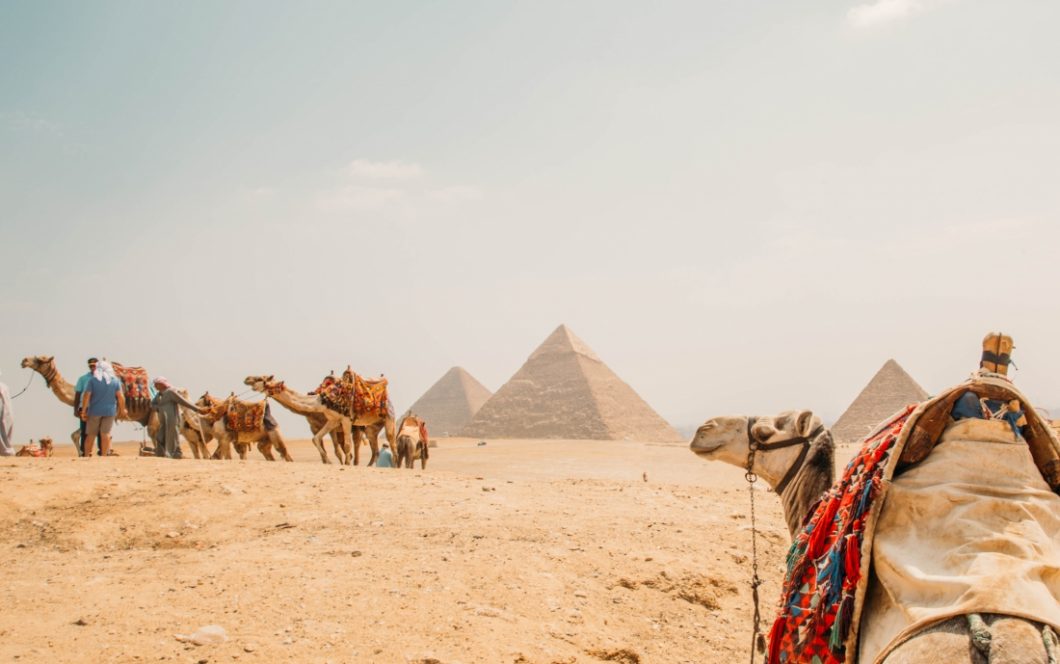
pixel 103 401
pixel 165 403
pixel 386 459
pixel 7 423
pixel 79 390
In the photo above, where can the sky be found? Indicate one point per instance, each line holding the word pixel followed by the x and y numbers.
pixel 742 207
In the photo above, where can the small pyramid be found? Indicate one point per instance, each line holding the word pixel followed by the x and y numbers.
pixel 451 402
pixel 890 390
pixel 565 391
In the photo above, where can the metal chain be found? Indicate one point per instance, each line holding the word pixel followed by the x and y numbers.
pixel 751 478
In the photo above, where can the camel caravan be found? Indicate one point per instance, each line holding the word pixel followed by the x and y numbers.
pixel 940 542
pixel 351 409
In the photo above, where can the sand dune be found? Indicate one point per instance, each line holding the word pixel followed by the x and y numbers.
pixel 516 551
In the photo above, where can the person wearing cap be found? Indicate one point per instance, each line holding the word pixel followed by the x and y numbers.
pixel 166 403
pixel 101 403
pixel 79 390
pixel 7 423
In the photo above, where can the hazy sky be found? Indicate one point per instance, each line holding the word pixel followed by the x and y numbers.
pixel 740 206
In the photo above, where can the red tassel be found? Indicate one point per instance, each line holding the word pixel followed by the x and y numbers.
pixel 774 641
pixel 822 529
pixel 852 560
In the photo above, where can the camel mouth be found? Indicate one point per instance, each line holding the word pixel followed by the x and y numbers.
pixel 704 449
pixel 26 363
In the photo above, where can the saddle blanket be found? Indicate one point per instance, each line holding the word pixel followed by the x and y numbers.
pixel 245 417
pixel 134 382
pixel 989 543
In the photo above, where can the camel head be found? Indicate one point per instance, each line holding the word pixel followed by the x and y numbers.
pixel 726 439
pixel 39 363
pixel 803 471
pixel 259 383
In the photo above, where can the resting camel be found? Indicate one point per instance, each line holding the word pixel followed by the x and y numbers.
pixel 957 640
pixel 214 425
pixel 45 366
pixel 323 420
pixel 42 449
pixel 411 442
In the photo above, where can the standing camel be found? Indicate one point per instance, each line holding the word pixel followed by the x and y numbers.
pixel 322 420
pixel 45 366
pixel 802 472
pixel 214 423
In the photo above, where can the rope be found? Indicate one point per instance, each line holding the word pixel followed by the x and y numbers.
pixel 31 375
pixel 752 477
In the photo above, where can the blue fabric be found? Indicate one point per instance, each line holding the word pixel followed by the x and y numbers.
pixel 103 398
pixel 386 459
pixel 82 382
pixel 967 407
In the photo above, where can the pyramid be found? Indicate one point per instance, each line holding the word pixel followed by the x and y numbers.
pixel 565 391
pixel 451 402
pixel 890 390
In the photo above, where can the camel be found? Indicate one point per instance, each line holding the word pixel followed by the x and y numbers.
pixel 323 420
pixel 45 366
pixel 42 449
pixel 412 442
pixel 213 425
pixel 800 474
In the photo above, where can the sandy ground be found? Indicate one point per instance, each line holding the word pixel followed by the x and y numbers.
pixel 516 551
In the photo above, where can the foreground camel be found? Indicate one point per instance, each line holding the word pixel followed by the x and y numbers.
pixel 42 449
pixel 45 366
pixel 213 425
pixel 958 640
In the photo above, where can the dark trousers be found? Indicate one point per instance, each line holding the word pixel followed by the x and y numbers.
pixel 99 442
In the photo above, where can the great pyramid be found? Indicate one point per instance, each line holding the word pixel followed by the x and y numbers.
pixel 889 390
pixel 565 391
pixel 451 402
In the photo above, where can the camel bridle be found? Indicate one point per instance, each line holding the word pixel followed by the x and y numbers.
pixel 753 447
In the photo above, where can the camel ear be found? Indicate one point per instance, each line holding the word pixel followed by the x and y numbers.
pixel 50 358
pixel 270 377
pixel 804 423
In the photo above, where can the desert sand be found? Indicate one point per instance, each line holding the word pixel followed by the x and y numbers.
pixel 515 551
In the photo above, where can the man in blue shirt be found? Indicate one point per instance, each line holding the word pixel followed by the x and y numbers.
pixel 102 403
pixel 79 391
pixel 386 459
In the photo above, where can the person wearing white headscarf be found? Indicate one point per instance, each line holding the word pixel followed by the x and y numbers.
pixel 102 403
pixel 7 423
pixel 167 402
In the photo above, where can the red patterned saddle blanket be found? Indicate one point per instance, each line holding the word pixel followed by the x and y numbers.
pixel 134 382
pixel 354 394
pixel 245 416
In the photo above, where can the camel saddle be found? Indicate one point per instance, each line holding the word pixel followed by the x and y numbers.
pixel 135 384
pixel 355 395
pixel 245 416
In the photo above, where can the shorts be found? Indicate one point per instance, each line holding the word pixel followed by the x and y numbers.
pixel 98 424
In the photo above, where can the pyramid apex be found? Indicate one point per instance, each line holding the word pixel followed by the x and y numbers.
pixel 563 340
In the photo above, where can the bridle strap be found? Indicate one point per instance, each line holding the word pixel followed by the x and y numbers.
pixel 781 444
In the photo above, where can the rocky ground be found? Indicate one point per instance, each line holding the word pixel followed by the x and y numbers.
pixel 515 551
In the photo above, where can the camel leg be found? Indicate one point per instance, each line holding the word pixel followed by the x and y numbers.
pixel 318 440
pixel 278 442
pixel 336 444
pixel 1012 641
pixel 356 433
pixel 391 433
pixel 372 431
pixel 265 447
pixel 423 455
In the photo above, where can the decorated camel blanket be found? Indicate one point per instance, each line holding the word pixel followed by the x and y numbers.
pixel 245 416
pixel 355 395
pixel 862 530
pixel 135 384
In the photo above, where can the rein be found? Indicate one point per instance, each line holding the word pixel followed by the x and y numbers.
pixel 31 374
pixel 758 640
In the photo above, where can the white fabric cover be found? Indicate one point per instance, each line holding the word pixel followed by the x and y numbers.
pixel 972 529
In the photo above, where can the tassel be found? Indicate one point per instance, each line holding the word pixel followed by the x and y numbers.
pixel 774 641
pixel 852 559
pixel 823 529
pixel 841 626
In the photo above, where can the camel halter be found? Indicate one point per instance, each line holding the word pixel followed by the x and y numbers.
pixel 758 639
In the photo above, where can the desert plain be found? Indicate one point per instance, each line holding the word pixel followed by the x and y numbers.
pixel 531 551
